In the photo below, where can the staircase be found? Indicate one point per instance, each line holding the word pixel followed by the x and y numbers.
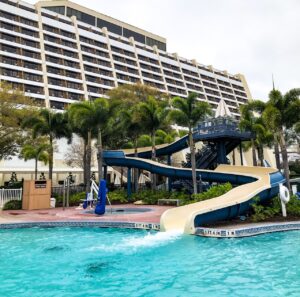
pixel 206 158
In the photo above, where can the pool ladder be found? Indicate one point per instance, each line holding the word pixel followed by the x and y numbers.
pixel 95 189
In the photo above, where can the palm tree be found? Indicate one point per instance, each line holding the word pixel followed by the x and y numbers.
pixel 95 117
pixel 83 133
pixel 153 116
pixel 131 123
pixel 162 137
pixel 50 124
pixel 282 112
pixel 187 113
pixel 254 123
pixel 248 122
pixel 37 151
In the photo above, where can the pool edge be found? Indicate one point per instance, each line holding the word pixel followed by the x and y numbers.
pixel 246 231
pixel 89 223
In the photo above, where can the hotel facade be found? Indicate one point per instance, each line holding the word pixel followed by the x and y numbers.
pixel 59 52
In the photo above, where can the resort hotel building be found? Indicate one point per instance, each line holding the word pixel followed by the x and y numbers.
pixel 59 52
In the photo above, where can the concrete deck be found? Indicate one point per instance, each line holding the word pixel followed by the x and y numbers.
pixel 73 214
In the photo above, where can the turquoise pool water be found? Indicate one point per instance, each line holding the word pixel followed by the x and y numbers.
pixel 117 262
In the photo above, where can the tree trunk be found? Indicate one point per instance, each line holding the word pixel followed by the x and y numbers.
pixel 153 157
pixel 253 153
pixel 136 171
pixel 100 155
pixel 233 157
pixel 84 161
pixel 193 161
pixel 276 151
pixel 122 174
pixel 285 160
pixel 36 168
pixel 88 161
pixel 51 157
pixel 260 152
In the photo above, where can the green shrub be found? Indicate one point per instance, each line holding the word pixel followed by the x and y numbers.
pixel 214 191
pixel 293 207
pixel 264 212
pixel 273 208
pixel 13 205
pixel 74 199
pixel 118 196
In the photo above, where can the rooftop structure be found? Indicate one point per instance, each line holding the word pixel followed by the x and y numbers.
pixel 59 52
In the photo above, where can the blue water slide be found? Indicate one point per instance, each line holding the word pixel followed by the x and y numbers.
pixel 263 182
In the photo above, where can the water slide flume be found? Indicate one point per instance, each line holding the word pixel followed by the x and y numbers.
pixel 229 205
pixel 251 181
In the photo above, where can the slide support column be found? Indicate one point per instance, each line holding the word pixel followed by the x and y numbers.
pixel 129 182
pixel 221 151
pixel 169 178
pixel 241 154
pixel 105 172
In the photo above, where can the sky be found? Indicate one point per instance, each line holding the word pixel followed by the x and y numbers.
pixel 257 38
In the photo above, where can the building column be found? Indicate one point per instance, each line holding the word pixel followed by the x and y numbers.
pixel 104 30
pixel 43 54
pixel 80 57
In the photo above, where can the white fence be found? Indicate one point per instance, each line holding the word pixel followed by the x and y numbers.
pixel 9 194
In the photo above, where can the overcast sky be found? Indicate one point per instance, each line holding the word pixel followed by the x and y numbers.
pixel 252 37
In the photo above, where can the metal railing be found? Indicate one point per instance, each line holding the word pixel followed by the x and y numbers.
pixel 8 195
pixel 74 189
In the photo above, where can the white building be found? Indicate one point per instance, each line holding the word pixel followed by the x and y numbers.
pixel 59 52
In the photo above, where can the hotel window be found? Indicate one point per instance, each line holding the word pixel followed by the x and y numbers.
pixel 30 54
pixel 74 96
pixel 31 65
pixel 10 72
pixel 73 85
pixel 28 22
pixel 56 93
pixel 73 74
pixel 137 36
pixel 29 32
pixel 32 77
pixel 110 26
pixel 81 16
pixel 9 49
pixel 7 60
pixel 55 82
pixel 33 89
pixel 57 9
pixel 67 34
pixel 160 45
pixel 9 16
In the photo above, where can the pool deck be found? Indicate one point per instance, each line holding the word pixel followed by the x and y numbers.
pixel 75 217
pixel 74 214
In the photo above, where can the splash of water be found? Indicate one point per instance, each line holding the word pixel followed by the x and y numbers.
pixel 133 243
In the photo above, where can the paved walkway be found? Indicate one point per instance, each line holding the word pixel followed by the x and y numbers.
pixel 73 214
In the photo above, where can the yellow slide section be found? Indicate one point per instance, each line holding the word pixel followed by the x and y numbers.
pixel 182 218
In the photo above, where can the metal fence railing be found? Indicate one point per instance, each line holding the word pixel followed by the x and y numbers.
pixel 74 189
pixel 9 194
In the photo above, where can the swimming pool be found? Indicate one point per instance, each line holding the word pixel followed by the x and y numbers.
pixel 121 262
